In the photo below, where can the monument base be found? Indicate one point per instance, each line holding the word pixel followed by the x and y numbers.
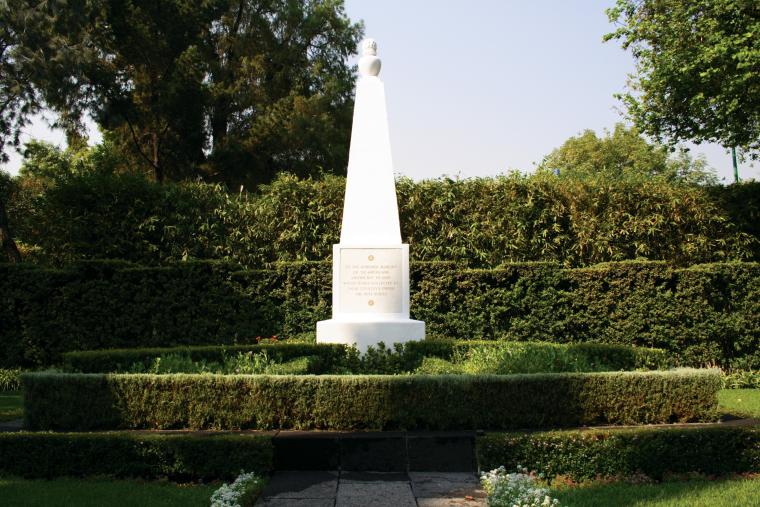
pixel 366 333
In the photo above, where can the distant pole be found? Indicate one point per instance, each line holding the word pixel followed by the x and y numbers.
pixel 736 166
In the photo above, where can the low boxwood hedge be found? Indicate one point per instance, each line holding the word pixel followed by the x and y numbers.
pixel 134 454
pixel 655 452
pixel 331 357
pixel 79 402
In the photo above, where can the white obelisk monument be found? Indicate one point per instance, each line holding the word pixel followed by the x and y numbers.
pixel 370 264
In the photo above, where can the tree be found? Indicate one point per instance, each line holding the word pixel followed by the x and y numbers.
pixel 697 69
pixel 18 100
pixel 233 90
pixel 48 163
pixel 7 245
pixel 624 154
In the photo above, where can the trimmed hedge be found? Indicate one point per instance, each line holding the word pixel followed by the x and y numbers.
pixel 706 314
pixel 134 454
pixel 80 402
pixel 655 452
pixel 330 357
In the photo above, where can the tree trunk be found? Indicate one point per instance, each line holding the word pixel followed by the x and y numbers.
pixel 159 170
pixel 6 240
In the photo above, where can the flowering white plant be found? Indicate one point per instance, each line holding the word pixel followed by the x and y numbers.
pixel 230 495
pixel 515 489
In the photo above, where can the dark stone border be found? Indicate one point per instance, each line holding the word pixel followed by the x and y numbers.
pixel 375 451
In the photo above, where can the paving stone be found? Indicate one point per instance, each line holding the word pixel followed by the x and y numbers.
pixel 444 476
pixel 296 502
pixel 375 494
pixel 12 425
pixel 451 502
pixel 445 485
pixel 359 477
pixel 301 485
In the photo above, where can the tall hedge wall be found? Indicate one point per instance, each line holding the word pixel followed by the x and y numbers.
pixel 703 314
pixel 86 401
pixel 481 222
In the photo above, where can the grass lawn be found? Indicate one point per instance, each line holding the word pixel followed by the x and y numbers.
pixel 11 405
pixel 744 402
pixel 97 493
pixel 695 493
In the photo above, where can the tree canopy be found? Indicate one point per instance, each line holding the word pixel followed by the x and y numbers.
pixel 697 69
pixel 18 98
pixel 230 90
pixel 624 154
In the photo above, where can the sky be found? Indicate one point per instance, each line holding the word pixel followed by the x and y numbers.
pixel 480 87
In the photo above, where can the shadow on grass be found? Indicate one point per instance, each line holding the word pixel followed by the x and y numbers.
pixel 692 493
pixel 100 492
pixel 740 403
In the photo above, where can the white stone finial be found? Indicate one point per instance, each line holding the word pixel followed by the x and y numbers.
pixel 369 47
pixel 369 63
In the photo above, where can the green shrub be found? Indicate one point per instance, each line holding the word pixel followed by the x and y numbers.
pixel 324 357
pixel 250 363
pixel 10 379
pixel 339 359
pixel 438 366
pixel 482 222
pixel 655 452
pixel 175 363
pixel 299 366
pixel 707 314
pixel 741 379
pixel 245 363
pixel 526 358
pixel 133 454
pixel 55 401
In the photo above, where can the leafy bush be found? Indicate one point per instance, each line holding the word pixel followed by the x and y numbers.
pixel 175 363
pixel 655 452
pixel 130 454
pixel 438 366
pixel 245 363
pixel 526 358
pixel 325 358
pixel 741 379
pixel 706 314
pixel 55 401
pixel 10 379
pixel 248 363
pixel 481 222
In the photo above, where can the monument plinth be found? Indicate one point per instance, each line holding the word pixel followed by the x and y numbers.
pixel 370 264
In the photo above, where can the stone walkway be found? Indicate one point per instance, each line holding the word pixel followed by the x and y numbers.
pixel 12 425
pixel 372 489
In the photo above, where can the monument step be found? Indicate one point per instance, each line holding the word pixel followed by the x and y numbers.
pixel 375 451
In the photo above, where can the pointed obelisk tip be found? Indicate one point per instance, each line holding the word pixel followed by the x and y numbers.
pixel 369 63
